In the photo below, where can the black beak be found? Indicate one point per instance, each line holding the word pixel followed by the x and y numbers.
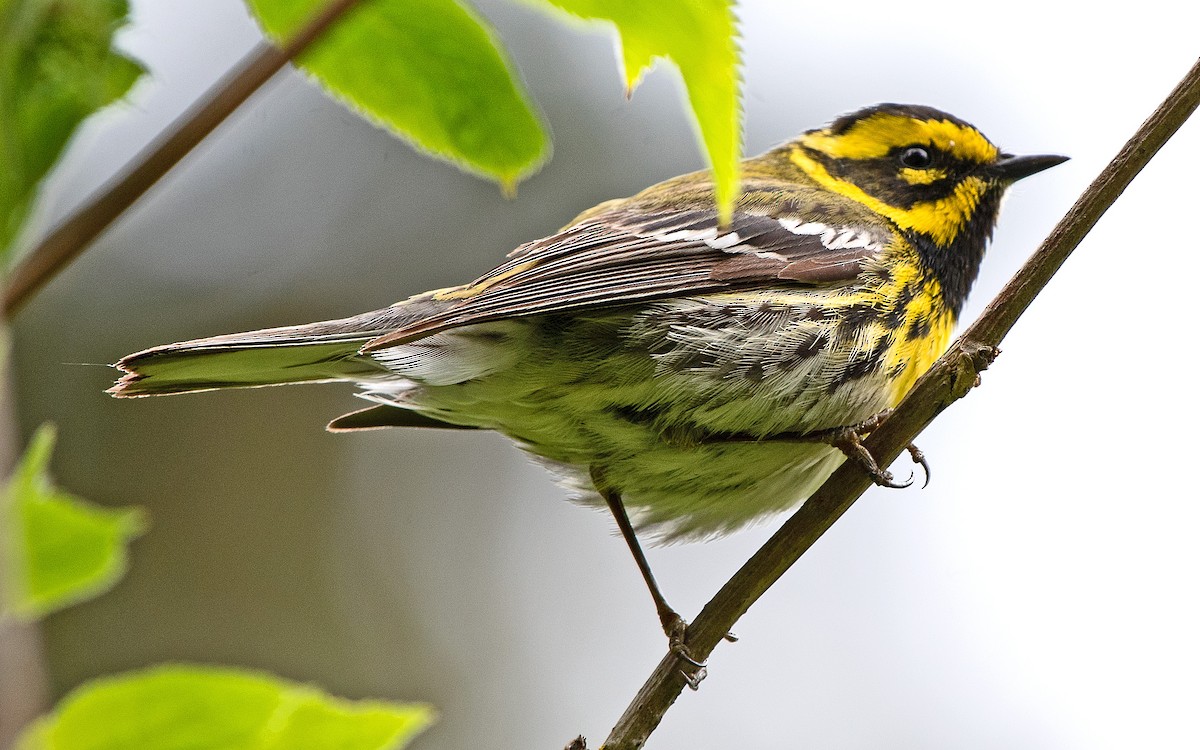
pixel 1013 168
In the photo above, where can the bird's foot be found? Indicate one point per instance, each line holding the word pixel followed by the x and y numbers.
pixel 849 441
pixel 692 670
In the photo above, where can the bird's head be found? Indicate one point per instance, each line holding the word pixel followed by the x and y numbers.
pixel 927 171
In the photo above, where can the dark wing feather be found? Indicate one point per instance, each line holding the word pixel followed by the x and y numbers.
pixel 624 256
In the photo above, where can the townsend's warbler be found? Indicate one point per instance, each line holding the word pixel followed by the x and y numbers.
pixel 651 351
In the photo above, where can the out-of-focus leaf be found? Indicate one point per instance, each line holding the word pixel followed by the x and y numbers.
pixel 430 71
pixel 213 708
pixel 700 37
pixel 61 549
pixel 57 66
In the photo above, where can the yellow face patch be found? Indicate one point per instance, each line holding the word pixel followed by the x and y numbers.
pixel 944 218
pixel 877 135
pixel 941 219
pixel 922 176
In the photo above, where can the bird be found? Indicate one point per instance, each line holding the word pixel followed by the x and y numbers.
pixel 690 373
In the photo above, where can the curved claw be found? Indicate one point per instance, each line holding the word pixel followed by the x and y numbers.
pixel 919 459
pixel 700 668
pixel 677 637
pixel 884 479
pixel 693 680
pixel 681 653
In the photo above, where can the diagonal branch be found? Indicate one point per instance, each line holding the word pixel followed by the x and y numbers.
pixel 69 239
pixel 950 378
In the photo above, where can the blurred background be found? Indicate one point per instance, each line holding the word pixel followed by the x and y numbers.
pixel 1041 593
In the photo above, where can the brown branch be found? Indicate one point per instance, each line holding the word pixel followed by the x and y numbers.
pixel 70 238
pixel 950 378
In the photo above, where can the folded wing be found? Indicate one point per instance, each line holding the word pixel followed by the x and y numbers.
pixel 622 257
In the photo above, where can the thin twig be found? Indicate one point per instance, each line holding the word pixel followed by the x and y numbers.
pixel 70 238
pixel 951 378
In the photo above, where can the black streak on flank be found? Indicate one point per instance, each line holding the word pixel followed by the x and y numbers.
pixel 813 346
pixel 919 328
pixel 646 415
pixel 899 312
pixel 863 363
pixel 854 317
pixel 807 349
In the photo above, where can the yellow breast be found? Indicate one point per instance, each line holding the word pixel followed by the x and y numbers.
pixel 924 331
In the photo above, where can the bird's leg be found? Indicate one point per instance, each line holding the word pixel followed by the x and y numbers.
pixel 673 625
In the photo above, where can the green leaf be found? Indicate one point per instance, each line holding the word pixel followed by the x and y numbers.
pixel 430 71
pixel 203 708
pixel 700 37
pixel 61 549
pixel 57 66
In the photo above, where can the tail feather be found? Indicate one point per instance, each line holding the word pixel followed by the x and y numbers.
pixel 315 352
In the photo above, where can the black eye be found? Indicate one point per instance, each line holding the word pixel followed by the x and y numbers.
pixel 915 157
